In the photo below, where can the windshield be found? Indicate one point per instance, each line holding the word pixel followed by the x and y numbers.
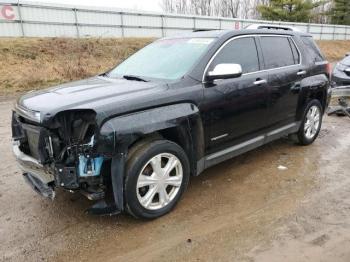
pixel 165 59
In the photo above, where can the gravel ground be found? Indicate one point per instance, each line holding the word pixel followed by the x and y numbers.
pixel 246 209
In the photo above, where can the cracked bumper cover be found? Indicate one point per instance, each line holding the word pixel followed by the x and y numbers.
pixel 34 173
pixel 42 181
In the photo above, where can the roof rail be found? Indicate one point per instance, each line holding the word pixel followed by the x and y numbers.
pixel 203 30
pixel 274 27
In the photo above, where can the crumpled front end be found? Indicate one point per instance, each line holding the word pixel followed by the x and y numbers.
pixel 61 152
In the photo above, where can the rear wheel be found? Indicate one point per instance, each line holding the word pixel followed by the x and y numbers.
pixel 157 174
pixel 311 123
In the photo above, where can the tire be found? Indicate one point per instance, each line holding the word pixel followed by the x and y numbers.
pixel 150 189
pixel 304 136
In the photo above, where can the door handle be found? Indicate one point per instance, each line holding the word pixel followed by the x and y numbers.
pixel 260 82
pixel 301 73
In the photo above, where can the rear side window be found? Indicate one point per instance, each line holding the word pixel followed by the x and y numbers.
pixel 239 51
pixel 312 49
pixel 277 51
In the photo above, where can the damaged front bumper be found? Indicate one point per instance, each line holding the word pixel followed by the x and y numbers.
pixel 43 181
pixel 86 165
pixel 40 179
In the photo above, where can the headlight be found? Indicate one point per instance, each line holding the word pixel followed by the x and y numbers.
pixel 27 113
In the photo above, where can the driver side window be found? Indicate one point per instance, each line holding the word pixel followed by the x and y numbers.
pixel 241 51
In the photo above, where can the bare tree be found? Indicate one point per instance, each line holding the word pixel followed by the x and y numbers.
pixel 224 8
pixel 320 13
pixel 245 9
pixel 253 11
pixel 168 6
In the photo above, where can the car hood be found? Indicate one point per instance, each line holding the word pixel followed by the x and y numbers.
pixel 94 93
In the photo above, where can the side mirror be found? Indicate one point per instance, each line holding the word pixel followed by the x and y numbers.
pixel 225 71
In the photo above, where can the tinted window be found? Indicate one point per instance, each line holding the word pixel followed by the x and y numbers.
pixel 277 51
pixel 239 51
pixel 312 49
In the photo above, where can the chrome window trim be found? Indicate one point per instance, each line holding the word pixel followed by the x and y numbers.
pixel 255 72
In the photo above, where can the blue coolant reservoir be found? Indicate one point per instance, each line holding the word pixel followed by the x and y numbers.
pixel 90 166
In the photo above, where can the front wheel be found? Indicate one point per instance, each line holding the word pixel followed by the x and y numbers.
pixel 311 123
pixel 156 176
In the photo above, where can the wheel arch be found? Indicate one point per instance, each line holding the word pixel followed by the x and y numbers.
pixel 179 123
pixel 314 87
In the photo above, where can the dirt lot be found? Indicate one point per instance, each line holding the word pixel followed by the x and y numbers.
pixel 245 209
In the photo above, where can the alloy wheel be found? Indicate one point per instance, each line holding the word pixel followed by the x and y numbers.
pixel 312 122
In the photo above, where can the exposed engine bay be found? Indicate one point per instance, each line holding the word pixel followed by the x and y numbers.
pixel 65 148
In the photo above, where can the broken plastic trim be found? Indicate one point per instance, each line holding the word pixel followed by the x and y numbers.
pixel 39 187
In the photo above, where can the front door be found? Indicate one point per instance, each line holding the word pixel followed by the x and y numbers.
pixel 236 108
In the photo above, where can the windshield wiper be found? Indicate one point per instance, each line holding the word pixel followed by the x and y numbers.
pixel 104 74
pixel 136 78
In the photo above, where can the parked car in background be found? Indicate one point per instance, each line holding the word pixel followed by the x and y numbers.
pixel 131 138
pixel 341 72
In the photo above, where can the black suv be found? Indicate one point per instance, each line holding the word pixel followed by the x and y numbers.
pixel 131 138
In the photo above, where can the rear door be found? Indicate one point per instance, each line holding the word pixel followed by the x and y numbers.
pixel 282 60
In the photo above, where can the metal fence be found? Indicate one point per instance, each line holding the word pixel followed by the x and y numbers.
pixel 35 19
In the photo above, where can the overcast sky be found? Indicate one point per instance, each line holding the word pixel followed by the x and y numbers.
pixel 147 5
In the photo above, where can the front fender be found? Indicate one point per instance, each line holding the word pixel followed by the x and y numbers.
pixel 124 130
pixel 117 134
